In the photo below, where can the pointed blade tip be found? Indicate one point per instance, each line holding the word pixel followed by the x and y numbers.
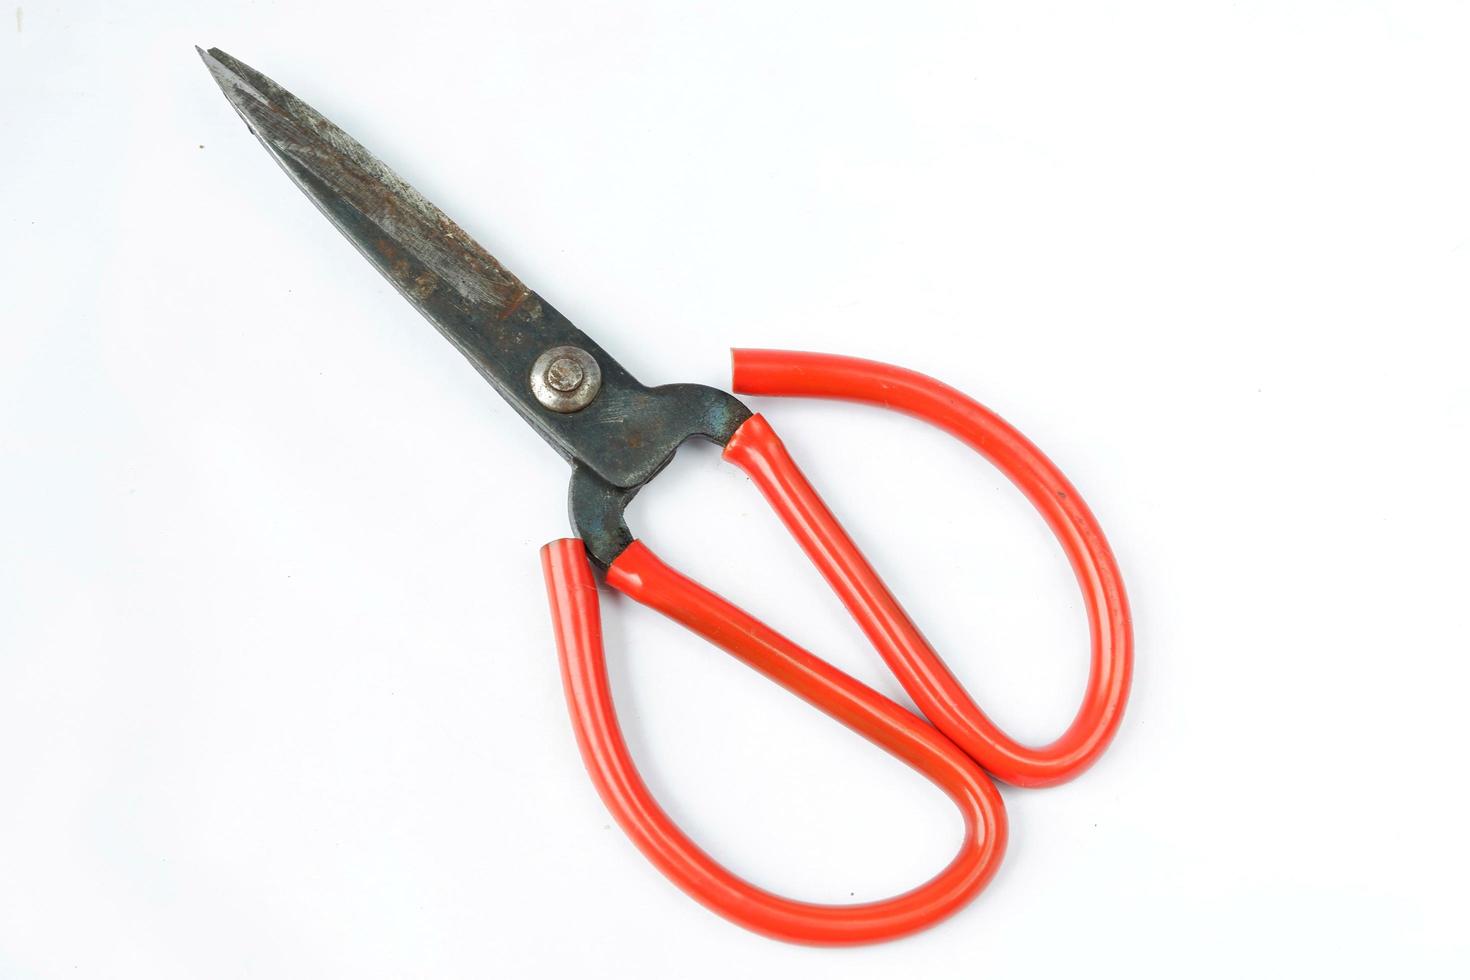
pixel 224 67
pixel 211 60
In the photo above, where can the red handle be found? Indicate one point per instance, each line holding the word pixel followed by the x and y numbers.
pixel 948 761
pixel 637 572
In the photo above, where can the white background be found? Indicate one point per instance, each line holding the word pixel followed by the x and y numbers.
pixel 278 696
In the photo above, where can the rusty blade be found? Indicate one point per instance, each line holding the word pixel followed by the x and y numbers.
pixel 624 436
pixel 411 241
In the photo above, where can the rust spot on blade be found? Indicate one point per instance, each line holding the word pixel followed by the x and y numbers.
pixel 424 285
pixel 515 304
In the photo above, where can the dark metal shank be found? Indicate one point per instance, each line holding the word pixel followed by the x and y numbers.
pixel 616 443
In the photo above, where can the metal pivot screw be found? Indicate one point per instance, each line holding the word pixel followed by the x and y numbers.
pixel 565 379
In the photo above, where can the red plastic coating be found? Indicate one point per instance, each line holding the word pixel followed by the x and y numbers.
pixel 637 572
pixel 757 450
pixel 949 759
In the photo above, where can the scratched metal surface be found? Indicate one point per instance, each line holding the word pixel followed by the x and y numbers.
pixel 628 432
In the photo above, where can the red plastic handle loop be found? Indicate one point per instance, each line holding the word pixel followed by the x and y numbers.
pixel 637 572
pixel 949 761
pixel 757 450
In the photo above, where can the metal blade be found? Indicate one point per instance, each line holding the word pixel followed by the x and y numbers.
pixel 624 435
pixel 411 241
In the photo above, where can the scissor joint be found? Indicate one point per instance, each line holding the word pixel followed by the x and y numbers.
pixel 644 442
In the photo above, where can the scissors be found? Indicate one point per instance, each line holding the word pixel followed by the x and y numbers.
pixel 617 434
